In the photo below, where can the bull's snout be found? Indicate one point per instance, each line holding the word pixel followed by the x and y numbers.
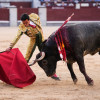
pixel 50 75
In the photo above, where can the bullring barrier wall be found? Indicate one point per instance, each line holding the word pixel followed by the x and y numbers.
pixel 50 15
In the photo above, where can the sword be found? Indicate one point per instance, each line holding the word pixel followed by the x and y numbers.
pixel 7 51
pixel 2 51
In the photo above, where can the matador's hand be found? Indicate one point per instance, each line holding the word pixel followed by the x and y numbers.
pixel 8 49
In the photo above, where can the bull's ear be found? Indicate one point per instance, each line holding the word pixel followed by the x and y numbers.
pixel 44 41
pixel 43 44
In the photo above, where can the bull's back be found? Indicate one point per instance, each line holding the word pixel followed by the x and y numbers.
pixel 84 36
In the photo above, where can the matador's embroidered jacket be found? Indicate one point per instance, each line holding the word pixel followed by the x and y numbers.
pixel 31 32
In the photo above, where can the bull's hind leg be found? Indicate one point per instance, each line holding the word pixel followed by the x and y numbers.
pixel 70 67
pixel 80 61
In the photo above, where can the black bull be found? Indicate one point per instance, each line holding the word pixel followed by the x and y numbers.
pixel 83 39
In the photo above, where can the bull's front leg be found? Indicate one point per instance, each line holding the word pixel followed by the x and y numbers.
pixel 70 67
pixel 80 61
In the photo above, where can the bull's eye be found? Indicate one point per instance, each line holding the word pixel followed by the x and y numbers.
pixel 44 62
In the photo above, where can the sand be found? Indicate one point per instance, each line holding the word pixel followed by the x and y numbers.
pixel 45 88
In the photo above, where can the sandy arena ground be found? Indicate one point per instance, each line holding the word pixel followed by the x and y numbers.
pixel 45 88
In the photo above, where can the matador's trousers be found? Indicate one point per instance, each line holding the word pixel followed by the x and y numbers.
pixel 32 45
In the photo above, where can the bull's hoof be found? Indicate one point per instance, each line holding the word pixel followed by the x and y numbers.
pixel 75 81
pixel 91 83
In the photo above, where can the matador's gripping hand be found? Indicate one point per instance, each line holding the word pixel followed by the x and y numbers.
pixel 10 47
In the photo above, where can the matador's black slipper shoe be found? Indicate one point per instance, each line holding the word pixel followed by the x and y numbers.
pixel 55 78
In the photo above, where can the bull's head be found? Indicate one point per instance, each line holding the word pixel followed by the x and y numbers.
pixel 47 60
pixel 47 63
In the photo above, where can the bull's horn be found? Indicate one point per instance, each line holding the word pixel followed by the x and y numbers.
pixel 36 60
pixel 42 56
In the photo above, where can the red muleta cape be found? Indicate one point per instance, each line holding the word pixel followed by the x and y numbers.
pixel 14 69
